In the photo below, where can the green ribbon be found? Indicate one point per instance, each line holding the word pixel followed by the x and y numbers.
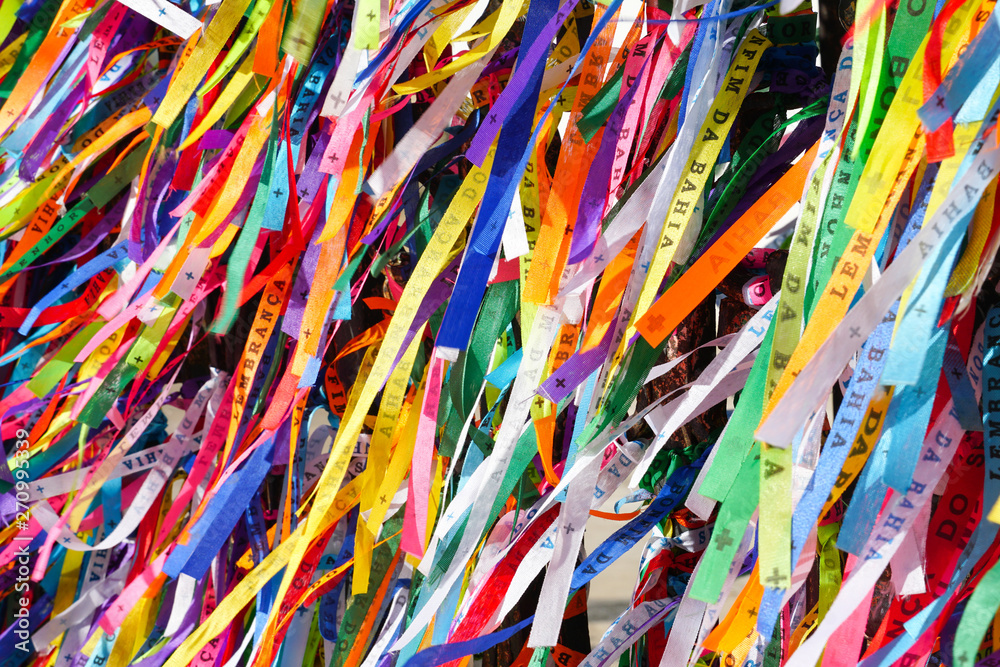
pixel 357 609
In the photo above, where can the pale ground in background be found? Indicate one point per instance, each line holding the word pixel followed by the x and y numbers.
pixel 611 590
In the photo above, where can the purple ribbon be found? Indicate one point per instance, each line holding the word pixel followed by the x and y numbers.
pixel 41 145
pixel 576 370
pixel 595 189
pixel 93 238
pixel 516 86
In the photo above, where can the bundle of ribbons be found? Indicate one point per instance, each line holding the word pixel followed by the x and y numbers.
pixel 328 328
